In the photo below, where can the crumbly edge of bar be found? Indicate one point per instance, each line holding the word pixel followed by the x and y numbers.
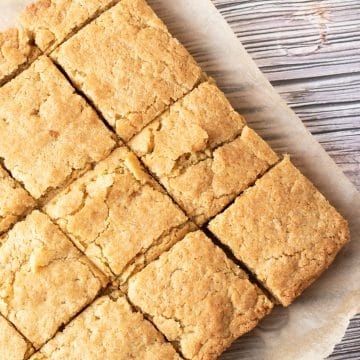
pixel 208 155
pixel 29 348
pixel 34 53
pixel 11 218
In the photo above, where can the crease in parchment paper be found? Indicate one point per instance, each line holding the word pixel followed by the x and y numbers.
pixel 310 328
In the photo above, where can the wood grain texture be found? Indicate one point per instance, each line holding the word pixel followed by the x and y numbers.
pixel 310 51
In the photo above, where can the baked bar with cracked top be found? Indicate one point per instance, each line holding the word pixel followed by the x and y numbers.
pixel 44 279
pixel 52 21
pixel 13 345
pixel 283 230
pixel 118 215
pixel 49 134
pixel 16 52
pixel 133 82
pixel 14 201
pixel 108 329
pixel 202 152
pixel 198 298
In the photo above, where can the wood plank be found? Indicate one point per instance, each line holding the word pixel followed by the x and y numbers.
pixel 297 39
pixel 349 347
pixel 310 51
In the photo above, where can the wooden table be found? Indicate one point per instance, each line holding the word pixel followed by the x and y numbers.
pixel 310 51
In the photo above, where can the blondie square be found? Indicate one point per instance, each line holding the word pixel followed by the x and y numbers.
pixel 13 346
pixel 44 279
pixel 283 230
pixel 50 22
pixel 202 152
pixel 48 133
pixel 128 65
pixel 118 215
pixel 108 329
pixel 16 52
pixel 14 201
pixel 198 298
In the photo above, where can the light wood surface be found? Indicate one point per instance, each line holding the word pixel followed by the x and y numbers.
pixel 310 51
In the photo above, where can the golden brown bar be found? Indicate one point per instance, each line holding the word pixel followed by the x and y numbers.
pixel 128 65
pixel 50 22
pixel 198 298
pixel 49 134
pixel 108 329
pixel 119 216
pixel 16 52
pixel 13 346
pixel 14 201
pixel 283 230
pixel 202 152
pixel 44 279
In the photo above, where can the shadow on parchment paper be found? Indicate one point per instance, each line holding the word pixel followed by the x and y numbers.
pixel 243 347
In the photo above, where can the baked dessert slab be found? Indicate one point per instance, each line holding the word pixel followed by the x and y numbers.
pixel 12 344
pixel 14 201
pixel 16 52
pixel 50 22
pixel 283 230
pixel 44 279
pixel 133 82
pixel 108 329
pixel 119 216
pixel 49 134
pixel 198 298
pixel 202 152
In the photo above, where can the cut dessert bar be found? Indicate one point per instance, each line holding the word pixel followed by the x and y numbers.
pixel 14 201
pixel 16 52
pixel 202 152
pixel 128 65
pixel 44 279
pixel 108 329
pixel 50 22
pixel 283 230
pixel 118 215
pixel 48 133
pixel 198 298
pixel 13 346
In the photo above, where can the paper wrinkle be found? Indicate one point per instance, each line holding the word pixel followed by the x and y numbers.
pixel 310 328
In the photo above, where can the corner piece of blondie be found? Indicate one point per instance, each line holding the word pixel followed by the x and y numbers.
pixel 284 230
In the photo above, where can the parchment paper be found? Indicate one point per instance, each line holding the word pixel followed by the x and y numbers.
pixel 308 329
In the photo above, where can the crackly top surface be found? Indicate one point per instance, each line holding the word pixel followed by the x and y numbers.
pixel 132 82
pixel 16 51
pixel 117 212
pixel 199 299
pixel 202 152
pixel 48 133
pixel 108 329
pixel 51 21
pixel 13 346
pixel 44 279
pixel 14 200
pixel 284 230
